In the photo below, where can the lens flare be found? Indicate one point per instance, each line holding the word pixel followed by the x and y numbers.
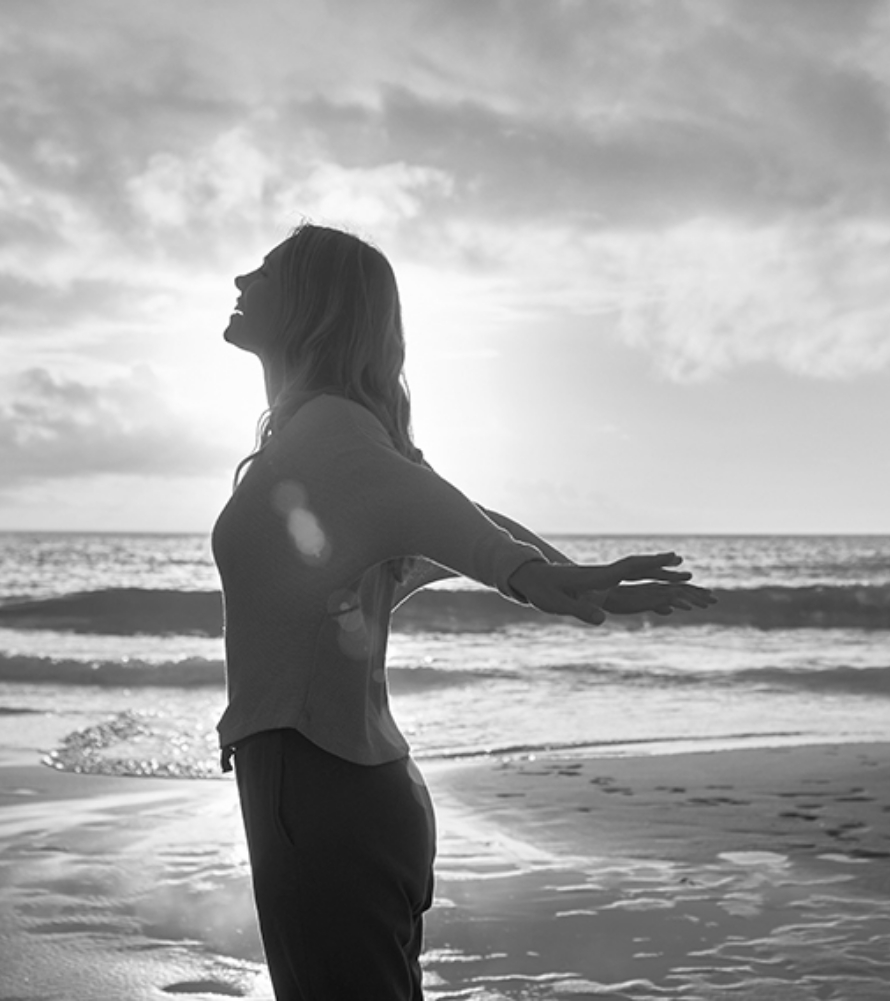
pixel 306 532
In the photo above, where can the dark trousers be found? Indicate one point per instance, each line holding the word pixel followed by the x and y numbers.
pixel 342 858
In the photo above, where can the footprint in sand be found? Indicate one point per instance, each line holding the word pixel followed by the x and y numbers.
pixel 867 853
pixel 605 784
pixel 204 987
pixel 844 832
pixel 718 801
pixel 798 795
pixel 855 796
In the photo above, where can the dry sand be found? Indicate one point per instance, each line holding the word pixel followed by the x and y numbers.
pixel 757 874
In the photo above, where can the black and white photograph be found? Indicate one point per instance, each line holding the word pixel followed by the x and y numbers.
pixel 445 500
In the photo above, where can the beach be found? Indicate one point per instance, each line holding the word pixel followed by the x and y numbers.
pixel 695 808
pixel 756 873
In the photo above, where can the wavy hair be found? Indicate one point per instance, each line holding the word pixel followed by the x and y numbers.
pixel 339 330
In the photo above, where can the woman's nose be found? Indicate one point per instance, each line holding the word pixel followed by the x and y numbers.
pixel 239 282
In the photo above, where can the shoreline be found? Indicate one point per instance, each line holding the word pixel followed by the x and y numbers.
pixel 824 797
pixel 599 876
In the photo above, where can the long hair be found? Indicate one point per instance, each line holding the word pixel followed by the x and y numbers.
pixel 339 330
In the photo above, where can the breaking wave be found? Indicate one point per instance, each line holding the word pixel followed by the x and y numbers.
pixel 134 611
pixel 194 672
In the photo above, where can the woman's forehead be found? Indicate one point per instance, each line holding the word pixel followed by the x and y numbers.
pixel 276 251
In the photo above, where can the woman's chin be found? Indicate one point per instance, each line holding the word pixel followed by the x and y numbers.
pixel 233 334
pixel 240 335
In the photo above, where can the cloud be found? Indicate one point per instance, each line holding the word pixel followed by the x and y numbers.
pixel 810 297
pixel 618 156
pixel 61 428
pixel 704 296
pixel 234 179
pixel 29 305
pixel 525 108
pixel 204 188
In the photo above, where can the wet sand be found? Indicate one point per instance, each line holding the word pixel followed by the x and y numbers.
pixel 756 874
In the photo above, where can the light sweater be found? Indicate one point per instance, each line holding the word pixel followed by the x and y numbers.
pixel 304 548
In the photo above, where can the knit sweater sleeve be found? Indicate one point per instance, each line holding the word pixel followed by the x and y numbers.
pixel 421 573
pixel 406 509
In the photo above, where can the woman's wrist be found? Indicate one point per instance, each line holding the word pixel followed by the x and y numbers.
pixel 515 580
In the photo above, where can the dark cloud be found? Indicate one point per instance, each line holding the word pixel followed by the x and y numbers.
pixel 639 171
pixel 131 146
pixel 56 428
pixel 81 115
pixel 615 113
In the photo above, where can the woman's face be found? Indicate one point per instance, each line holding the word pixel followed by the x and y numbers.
pixel 258 308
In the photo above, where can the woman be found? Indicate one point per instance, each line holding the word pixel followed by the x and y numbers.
pixel 336 520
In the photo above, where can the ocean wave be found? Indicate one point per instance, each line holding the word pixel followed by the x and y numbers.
pixel 135 743
pixel 756 738
pixel 862 680
pixel 850 680
pixel 120 612
pixel 190 672
pixel 816 607
pixel 133 611
pixel 193 672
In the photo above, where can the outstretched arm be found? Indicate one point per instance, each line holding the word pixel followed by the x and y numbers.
pixel 524 534
pixel 399 507
pixel 665 593
pixel 424 572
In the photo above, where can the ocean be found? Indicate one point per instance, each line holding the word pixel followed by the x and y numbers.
pixel 111 643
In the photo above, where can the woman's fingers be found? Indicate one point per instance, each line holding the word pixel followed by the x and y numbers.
pixel 652 596
pixel 700 597
pixel 560 602
pixel 581 578
pixel 591 614
pixel 671 576
pixel 650 567
pixel 688 596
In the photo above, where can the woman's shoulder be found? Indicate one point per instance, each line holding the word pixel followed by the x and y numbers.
pixel 332 414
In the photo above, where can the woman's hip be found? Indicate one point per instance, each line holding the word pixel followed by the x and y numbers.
pixel 298 798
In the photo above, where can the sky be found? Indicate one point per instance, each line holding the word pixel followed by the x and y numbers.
pixel 642 248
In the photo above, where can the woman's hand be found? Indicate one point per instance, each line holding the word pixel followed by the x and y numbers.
pixel 662 599
pixel 584 592
pixel 561 589
pixel 596 577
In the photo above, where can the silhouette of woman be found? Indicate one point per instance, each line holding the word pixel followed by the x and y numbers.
pixel 335 521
